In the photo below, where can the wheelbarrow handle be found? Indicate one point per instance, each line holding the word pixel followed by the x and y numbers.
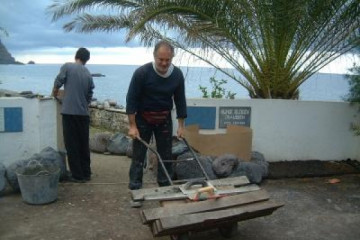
pixel 196 158
pixel 158 156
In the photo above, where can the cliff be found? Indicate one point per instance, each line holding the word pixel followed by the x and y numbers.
pixel 5 56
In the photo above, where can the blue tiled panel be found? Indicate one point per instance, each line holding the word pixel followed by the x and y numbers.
pixel 13 119
pixel 205 117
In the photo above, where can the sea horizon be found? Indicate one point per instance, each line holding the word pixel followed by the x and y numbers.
pixel 39 78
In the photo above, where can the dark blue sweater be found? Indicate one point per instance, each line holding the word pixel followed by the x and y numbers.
pixel 150 92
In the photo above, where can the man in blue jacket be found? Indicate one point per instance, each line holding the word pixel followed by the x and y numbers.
pixel 153 89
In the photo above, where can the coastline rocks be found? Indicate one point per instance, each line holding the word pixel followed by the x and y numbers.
pixel 47 157
pixel 178 148
pixel 107 105
pixel 11 172
pixel 118 144
pixel 50 157
pixel 2 177
pixel 25 94
pixel 99 142
pixel 8 93
pixel 259 159
pixel 253 171
pixel 191 169
pixel 110 119
pixel 5 56
pixel 97 75
pixel 224 165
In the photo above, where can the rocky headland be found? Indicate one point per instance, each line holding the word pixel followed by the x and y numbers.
pixel 5 56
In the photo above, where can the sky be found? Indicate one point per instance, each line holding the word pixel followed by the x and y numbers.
pixel 34 37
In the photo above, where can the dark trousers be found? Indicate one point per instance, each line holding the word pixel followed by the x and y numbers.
pixel 163 138
pixel 76 138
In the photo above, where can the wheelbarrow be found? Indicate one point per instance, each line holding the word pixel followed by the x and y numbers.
pixel 201 203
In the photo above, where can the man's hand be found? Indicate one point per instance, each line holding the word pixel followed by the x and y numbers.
pixel 133 132
pixel 55 92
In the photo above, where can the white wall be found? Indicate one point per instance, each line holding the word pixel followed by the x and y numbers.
pixel 282 129
pixel 296 130
pixel 39 129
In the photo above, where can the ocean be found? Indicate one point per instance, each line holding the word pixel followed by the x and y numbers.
pixel 39 79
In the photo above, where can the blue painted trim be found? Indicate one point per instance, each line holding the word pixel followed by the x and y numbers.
pixel 205 117
pixel 13 119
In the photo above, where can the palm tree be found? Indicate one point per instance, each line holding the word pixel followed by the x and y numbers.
pixel 274 46
pixel 354 91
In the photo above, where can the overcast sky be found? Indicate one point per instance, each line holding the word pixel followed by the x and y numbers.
pixel 32 36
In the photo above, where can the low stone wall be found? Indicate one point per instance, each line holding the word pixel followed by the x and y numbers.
pixel 114 120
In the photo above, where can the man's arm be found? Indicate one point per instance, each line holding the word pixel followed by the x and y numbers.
pixel 181 108
pixel 181 128
pixel 90 91
pixel 133 130
pixel 59 81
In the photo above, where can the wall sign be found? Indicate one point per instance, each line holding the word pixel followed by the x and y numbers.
pixel 11 119
pixel 203 116
pixel 234 116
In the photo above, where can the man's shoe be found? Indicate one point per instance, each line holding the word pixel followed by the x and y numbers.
pixel 75 180
pixel 135 204
pixel 87 179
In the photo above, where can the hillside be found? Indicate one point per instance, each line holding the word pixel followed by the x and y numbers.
pixel 5 56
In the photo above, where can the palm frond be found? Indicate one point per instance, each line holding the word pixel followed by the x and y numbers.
pixel 281 42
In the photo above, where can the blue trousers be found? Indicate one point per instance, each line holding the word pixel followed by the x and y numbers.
pixel 163 138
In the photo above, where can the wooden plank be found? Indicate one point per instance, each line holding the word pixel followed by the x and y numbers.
pixel 139 194
pixel 173 192
pixel 174 203
pixel 203 206
pixel 235 181
pixel 205 220
pixel 181 196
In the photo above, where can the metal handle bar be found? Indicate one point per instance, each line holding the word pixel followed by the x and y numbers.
pixel 196 158
pixel 162 163
pixel 158 156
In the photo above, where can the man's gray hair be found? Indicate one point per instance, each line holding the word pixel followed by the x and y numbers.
pixel 166 44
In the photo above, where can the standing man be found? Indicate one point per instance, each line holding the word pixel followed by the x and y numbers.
pixel 149 101
pixel 78 91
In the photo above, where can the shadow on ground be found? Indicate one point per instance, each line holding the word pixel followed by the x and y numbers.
pixel 100 210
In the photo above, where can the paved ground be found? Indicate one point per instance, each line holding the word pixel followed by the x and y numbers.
pixel 99 210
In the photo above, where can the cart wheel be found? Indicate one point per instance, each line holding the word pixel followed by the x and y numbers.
pixel 229 230
pixel 182 236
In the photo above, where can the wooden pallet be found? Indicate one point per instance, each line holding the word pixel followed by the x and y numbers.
pixel 182 216
pixel 226 186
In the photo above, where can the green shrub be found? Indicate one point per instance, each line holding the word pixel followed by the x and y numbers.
pixel 218 91
pixel 354 93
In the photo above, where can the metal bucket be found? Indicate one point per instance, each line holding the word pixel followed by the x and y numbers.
pixel 38 183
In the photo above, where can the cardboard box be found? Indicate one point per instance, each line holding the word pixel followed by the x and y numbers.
pixel 237 140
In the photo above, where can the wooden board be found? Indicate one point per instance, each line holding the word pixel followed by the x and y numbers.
pixel 199 221
pixel 225 185
pixel 149 215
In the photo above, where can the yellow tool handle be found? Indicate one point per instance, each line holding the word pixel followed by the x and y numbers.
pixel 208 189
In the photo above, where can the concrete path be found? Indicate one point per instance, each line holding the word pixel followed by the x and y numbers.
pixel 99 210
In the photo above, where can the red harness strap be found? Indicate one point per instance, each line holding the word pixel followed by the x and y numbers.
pixel 155 117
